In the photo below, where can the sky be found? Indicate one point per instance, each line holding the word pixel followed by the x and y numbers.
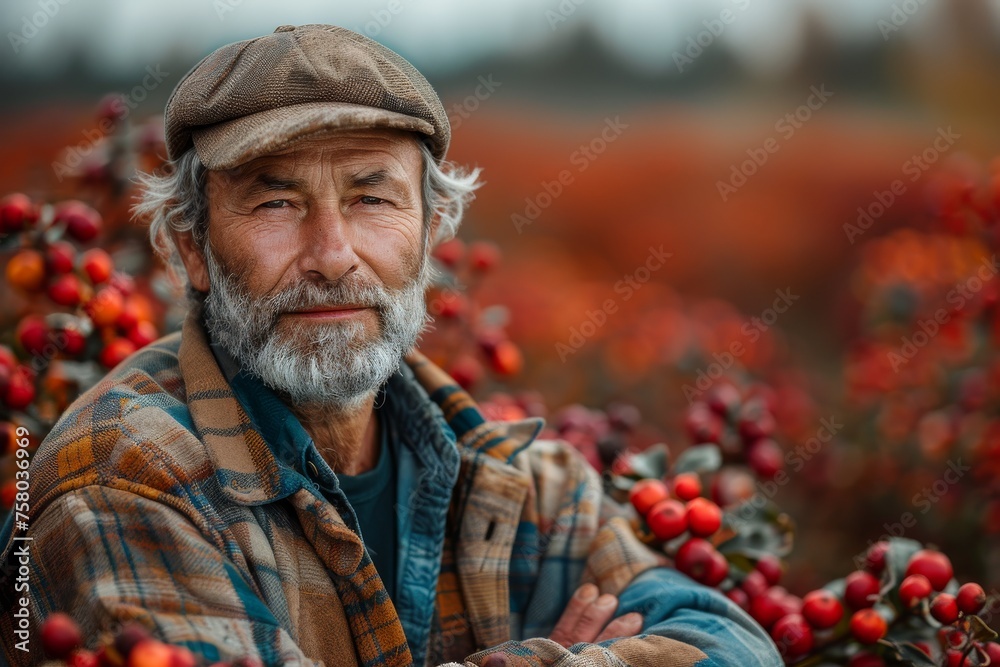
pixel 112 37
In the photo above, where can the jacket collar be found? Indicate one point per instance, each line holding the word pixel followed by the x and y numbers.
pixel 248 471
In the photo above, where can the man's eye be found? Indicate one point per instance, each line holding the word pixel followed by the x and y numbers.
pixel 371 201
pixel 277 203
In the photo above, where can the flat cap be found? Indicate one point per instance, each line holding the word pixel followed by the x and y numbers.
pixel 262 95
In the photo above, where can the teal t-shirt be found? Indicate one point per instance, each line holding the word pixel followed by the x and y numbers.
pixel 372 494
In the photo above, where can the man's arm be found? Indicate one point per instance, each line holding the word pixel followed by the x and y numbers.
pixel 106 555
pixel 685 624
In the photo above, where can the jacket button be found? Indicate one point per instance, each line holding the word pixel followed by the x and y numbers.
pixel 313 470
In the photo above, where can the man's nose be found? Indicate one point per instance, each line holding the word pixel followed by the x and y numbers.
pixel 327 246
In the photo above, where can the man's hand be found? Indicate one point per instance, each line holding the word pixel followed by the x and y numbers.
pixel 587 616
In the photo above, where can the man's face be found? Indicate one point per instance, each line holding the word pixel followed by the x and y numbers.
pixel 316 266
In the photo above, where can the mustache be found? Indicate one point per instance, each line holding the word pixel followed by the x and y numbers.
pixel 316 295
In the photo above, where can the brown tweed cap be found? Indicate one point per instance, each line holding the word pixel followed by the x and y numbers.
pixel 259 96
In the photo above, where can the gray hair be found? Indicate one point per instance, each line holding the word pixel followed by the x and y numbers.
pixel 175 202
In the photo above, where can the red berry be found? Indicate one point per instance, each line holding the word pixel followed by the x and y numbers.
pixel 182 657
pixel 33 334
pixel 129 637
pixel 17 211
pixel 98 265
pixel 766 609
pixel 699 560
pixel 7 358
pixel 702 424
pixel 149 653
pixel 723 399
pixel 944 608
pixel 704 518
pixel 765 458
pixel 875 558
pixel 82 222
pixel 647 492
pixel 483 255
pixel 932 564
pixel 466 371
pixel 687 486
pixel 667 519
pixel 822 609
pixel 790 604
pixel 73 342
pixel 793 636
pixel 450 252
pixel 450 305
pixel 26 270
pixel 106 307
pixel 754 584
pixel 60 256
pixel 770 567
pixel 992 649
pixel 865 660
pixel 868 626
pixel 20 390
pixel 116 351
pixel 143 333
pixel 60 635
pixel 971 599
pixel 506 358
pixel 913 590
pixel 739 596
pixel 755 420
pixel 65 290
pixel 731 486
pixel 82 658
pixel 861 589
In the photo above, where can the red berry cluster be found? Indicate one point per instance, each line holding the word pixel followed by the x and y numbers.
pixel 742 424
pixel 685 514
pixel 100 301
pixel 817 625
pixel 132 646
pixel 461 319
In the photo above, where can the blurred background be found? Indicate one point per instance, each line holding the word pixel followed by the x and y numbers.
pixel 817 171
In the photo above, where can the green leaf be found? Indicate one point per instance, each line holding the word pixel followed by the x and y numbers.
pixel 700 458
pixel 979 631
pixel 653 462
pixel 897 557
pixel 913 655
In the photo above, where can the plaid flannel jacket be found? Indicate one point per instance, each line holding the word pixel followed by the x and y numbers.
pixel 155 499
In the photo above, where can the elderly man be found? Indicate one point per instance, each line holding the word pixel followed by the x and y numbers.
pixel 273 481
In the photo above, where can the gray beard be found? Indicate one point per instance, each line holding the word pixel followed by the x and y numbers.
pixel 334 364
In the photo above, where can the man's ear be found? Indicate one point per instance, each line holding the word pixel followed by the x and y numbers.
pixel 194 261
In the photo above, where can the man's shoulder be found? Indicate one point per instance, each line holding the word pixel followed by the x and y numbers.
pixel 133 427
